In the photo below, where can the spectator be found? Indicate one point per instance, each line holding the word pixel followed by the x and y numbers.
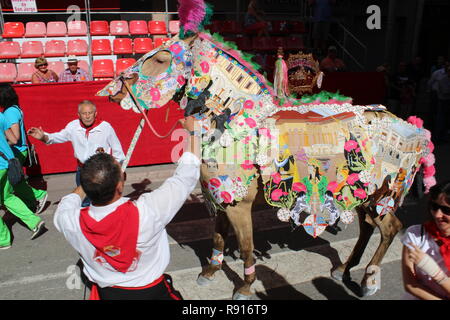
pixel 443 110
pixel 426 276
pixel 432 87
pixel 13 203
pixel 88 134
pixel 322 15
pixel 133 230
pixel 331 63
pixel 9 105
pixel 254 20
pixel 440 63
pixel 43 74
pixel 403 90
pixel 73 72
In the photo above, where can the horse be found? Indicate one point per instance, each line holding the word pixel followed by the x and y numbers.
pixel 319 156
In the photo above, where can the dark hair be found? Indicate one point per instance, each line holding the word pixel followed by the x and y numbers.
pixel 99 177
pixel 435 192
pixel 8 96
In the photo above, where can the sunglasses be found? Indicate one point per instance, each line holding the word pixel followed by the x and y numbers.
pixel 435 207
pixel 44 64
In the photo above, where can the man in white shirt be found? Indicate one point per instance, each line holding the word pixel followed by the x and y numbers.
pixel 88 135
pixel 123 244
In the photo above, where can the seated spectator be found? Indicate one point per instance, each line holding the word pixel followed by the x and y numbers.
pixel 73 72
pixel 254 20
pixel 43 74
pixel 331 62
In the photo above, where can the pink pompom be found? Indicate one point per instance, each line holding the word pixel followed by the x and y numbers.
pixel 415 121
pixel 427 134
pixel 429 171
pixel 429 160
pixel 430 146
pixel 428 183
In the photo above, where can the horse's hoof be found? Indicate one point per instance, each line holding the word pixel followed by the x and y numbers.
pixel 368 291
pixel 241 296
pixel 204 281
pixel 340 275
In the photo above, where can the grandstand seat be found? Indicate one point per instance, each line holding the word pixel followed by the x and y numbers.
pixel 77 28
pixel 55 48
pixel 138 27
pixel 294 43
pixel 296 27
pixel 119 28
pixel 262 43
pixel 57 66
pixel 122 64
pixel 101 47
pixel 159 41
pixel 103 68
pixel 244 43
pixel 77 47
pixel 174 26
pixel 24 71
pixel 279 27
pixel 142 45
pixel 35 30
pixel 276 42
pixel 157 27
pixel 99 28
pixel 56 29
pixel 8 72
pixel 32 49
pixel 83 64
pixel 13 30
pixel 215 26
pixel 123 46
pixel 9 50
pixel 230 26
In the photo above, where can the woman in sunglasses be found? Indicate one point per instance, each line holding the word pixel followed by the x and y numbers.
pixel 43 74
pixel 426 251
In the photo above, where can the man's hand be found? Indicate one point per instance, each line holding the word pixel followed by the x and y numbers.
pixel 37 133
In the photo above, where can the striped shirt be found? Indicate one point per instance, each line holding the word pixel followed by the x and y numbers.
pixel 81 75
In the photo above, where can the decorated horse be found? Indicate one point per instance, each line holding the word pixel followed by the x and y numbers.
pixel 316 159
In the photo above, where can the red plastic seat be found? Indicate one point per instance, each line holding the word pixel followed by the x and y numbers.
pixel 99 28
pixel 8 72
pixel 215 26
pixel 294 43
pixel 78 47
pixel 123 46
pixel 142 45
pixel 262 43
pixel 35 29
pixel 119 28
pixel 77 28
pixel 138 27
pixel 157 27
pixel 276 42
pixel 56 29
pixel 82 64
pixel 32 49
pixel 279 27
pixel 13 30
pixel 103 68
pixel 174 26
pixel 230 26
pixel 24 71
pixel 159 41
pixel 55 48
pixel 9 50
pixel 296 27
pixel 101 47
pixel 122 64
pixel 56 66
pixel 244 43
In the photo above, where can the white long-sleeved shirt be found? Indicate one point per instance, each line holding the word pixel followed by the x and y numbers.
pixel 101 136
pixel 156 210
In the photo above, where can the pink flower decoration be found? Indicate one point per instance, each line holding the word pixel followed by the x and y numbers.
pixel 215 182
pixel 352 178
pixel 429 160
pixel 248 104
pixel 360 193
pixel 299 187
pixel 430 146
pixel 416 121
pixel 276 177
pixel 247 165
pixel 247 139
pixel 350 145
pixel 226 197
pixel 339 197
pixel 332 186
pixel 358 149
pixel 156 95
pixel 181 80
pixel 276 194
pixel 429 171
pixel 205 66
pixel 427 134
pixel 372 161
pixel 250 122
pixel 175 48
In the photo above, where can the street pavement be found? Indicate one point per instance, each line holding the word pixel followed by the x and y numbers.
pixel 291 265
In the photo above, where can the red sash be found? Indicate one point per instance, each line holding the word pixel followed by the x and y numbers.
pixel 443 242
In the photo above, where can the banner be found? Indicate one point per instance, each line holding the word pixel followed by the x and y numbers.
pixel 24 5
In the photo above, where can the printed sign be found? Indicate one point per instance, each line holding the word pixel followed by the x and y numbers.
pixel 24 5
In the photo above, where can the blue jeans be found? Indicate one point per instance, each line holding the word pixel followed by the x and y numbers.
pixel 86 201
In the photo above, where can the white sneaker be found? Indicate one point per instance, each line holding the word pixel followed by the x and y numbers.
pixel 41 204
pixel 38 230
pixel 5 247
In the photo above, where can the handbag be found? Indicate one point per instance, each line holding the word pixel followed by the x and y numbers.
pixel 14 171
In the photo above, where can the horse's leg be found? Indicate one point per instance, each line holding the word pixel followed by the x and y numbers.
pixel 365 232
pixel 219 237
pixel 389 226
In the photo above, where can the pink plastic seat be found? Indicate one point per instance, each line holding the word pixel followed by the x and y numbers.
pixel 56 29
pixel 56 66
pixel 101 47
pixel 9 50
pixel 103 68
pixel 157 27
pixel 123 46
pixel 123 64
pixel 119 28
pixel 8 72
pixel 35 29
pixel 138 27
pixel 99 28
pixel 13 30
pixel 143 45
pixel 77 28
pixel 160 41
pixel 78 47
pixel 32 49
pixel 24 71
pixel 55 48
pixel 174 26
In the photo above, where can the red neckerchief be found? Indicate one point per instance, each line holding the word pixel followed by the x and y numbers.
pixel 115 236
pixel 96 122
pixel 442 242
